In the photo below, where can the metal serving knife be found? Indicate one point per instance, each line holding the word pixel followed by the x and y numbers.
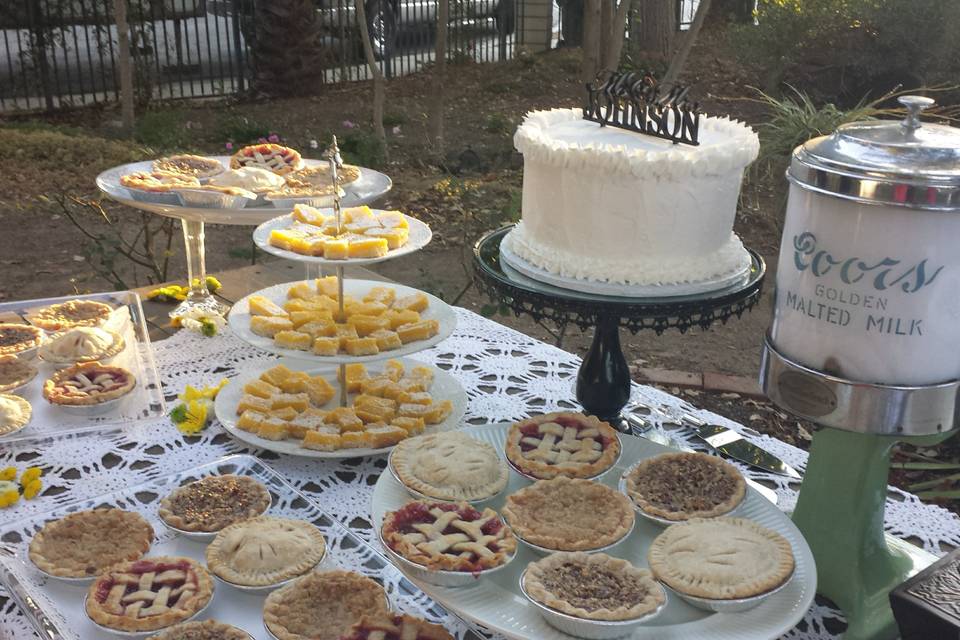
pixel 733 445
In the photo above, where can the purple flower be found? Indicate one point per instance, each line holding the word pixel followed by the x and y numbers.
pixel 348 125
pixel 261 140
pixel 229 146
pixel 273 137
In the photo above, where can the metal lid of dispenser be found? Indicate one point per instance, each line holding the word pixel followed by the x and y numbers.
pixel 906 163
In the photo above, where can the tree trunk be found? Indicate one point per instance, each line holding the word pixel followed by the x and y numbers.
pixel 613 47
pixel 658 25
pixel 439 77
pixel 379 90
pixel 590 64
pixel 680 59
pixel 125 65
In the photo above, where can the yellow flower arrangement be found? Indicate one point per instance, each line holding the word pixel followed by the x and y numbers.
pixel 193 413
pixel 29 485
pixel 8 474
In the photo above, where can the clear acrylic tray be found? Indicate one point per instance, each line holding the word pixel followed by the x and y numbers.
pixel 55 607
pixel 144 402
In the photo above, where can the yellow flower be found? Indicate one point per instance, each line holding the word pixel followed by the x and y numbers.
pixel 9 494
pixel 29 475
pixel 32 489
pixel 196 417
pixel 8 474
pixel 203 393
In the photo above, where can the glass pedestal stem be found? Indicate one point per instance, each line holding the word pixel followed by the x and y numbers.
pixel 199 298
pixel 603 382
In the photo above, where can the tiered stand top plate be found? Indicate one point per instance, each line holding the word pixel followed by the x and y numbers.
pixel 496 603
pixel 367 188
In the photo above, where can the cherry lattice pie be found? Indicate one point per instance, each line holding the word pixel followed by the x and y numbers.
pixel 562 444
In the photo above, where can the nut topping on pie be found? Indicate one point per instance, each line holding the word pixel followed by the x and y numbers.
pixel 449 537
pixel 15 372
pixel 565 514
pixel 206 630
pixel 562 444
pixel 189 165
pixel 264 551
pixel 593 586
pixel 396 627
pixel 214 502
pixel 721 558
pixel 85 543
pixel 73 313
pixel 450 466
pixel 320 176
pixel 17 338
pixel 15 413
pixel 88 383
pixel 680 486
pixel 149 594
pixel 82 344
pixel 279 159
pixel 322 605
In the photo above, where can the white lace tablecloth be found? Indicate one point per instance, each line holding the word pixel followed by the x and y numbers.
pixel 507 376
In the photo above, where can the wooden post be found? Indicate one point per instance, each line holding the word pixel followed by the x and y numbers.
pixel 125 65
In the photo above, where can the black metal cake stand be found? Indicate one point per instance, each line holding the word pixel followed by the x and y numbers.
pixel 603 382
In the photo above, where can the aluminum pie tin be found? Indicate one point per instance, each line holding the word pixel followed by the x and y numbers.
pixel 266 588
pixel 533 478
pixel 212 199
pixel 728 605
pixel 67 579
pixel 276 637
pixel 545 551
pixel 196 536
pixel 312 201
pixel 22 385
pixel 423 496
pixel 154 197
pixel 144 634
pixel 593 629
pixel 98 409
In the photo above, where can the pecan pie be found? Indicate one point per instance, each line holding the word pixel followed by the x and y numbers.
pixel 157 181
pixel 569 514
pixel 189 165
pixel 319 175
pixel 593 586
pixel 449 537
pixel 15 372
pixel 322 605
pixel 82 344
pixel 18 338
pixel 15 413
pixel 562 444
pixel 721 558
pixel 265 551
pixel 73 313
pixel 88 383
pixel 393 626
pixel 149 594
pixel 680 486
pixel 277 158
pixel 85 543
pixel 214 502
pixel 206 630
pixel 450 466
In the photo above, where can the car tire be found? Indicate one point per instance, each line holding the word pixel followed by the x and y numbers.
pixel 505 16
pixel 382 27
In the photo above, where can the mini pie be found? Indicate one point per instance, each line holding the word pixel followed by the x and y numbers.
pixel 157 181
pixel 394 626
pixel 73 313
pixel 189 165
pixel 85 543
pixel 15 413
pixel 149 594
pixel 88 383
pixel 450 466
pixel 206 630
pixel 214 503
pixel 277 158
pixel 569 514
pixel 288 191
pixel 593 586
pixel 264 551
pixel 322 605
pixel 680 486
pixel 17 338
pixel 255 179
pixel 562 444
pixel 449 537
pixel 15 372
pixel 82 344
pixel 319 175
pixel 721 558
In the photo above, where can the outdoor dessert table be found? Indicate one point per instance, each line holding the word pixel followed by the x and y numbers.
pixel 507 375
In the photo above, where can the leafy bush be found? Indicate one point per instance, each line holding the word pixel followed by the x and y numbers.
pixel 163 129
pixel 362 148
pixel 498 123
pixel 240 129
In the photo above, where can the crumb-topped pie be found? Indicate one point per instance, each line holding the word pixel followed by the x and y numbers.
pixel 157 181
pixel 395 626
pixel 214 502
pixel 448 536
pixel 15 413
pixel 18 338
pixel 274 157
pixel 322 605
pixel 562 444
pixel 721 558
pixel 593 586
pixel 73 313
pixel 85 543
pixel 149 594
pixel 450 466
pixel 88 383
pixel 81 344
pixel 15 372
pixel 680 486
pixel 265 551
pixel 319 175
pixel 569 514
pixel 206 630
pixel 189 165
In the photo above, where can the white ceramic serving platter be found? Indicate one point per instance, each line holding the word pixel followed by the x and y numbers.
pixel 365 189
pixel 420 236
pixel 55 607
pixel 143 402
pixel 496 602
pixel 445 387
pixel 239 321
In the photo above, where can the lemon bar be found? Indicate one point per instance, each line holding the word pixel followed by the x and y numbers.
pixel 354 440
pixel 250 420
pixel 336 249
pixel 286 413
pixel 276 374
pixel 297 401
pixel 387 340
pixel 393 369
pixel 269 326
pixel 395 238
pixel 368 248
pixel 261 306
pixel 326 346
pixel 420 397
pixel 413 411
pixel 365 325
pixel 285 238
pixel 356 373
pixel 273 429
pixel 293 340
pixel 412 426
pixel 383 407
pixel 296 382
pixel 414 302
pixel 362 347
pixel 400 317
pixel 392 391
pixel 414 331
pixel 253 403
pixel 322 439
pixel 374 386
pixel 309 215
pixel 422 373
pixel 328 287
pixel 299 425
pixel 383 295
pixel 393 220
pixel 260 388
pixel 345 418
pixel 385 436
pixel 319 328
pixel 346 332
pixel 320 391
pixel 301 290
pixel 438 412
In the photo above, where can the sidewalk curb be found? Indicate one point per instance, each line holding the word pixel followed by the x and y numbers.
pixel 702 380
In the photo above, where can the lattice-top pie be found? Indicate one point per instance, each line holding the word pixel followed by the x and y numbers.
pixel 593 586
pixel 206 630
pixel 15 413
pixel 569 514
pixel 15 372
pixel 396 627
pixel 85 543
pixel 322 605
pixel 189 165
pixel 449 537
pixel 82 344
pixel 265 551
pixel 17 338
pixel 214 502
pixel 157 181
pixel 680 486
pixel 562 444
pixel 277 158
pixel 149 594
pixel 73 313
pixel 450 466
pixel 721 558
pixel 88 383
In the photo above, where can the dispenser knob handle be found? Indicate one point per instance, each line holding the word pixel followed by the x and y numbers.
pixel 914 105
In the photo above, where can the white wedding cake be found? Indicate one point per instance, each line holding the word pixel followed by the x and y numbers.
pixel 608 205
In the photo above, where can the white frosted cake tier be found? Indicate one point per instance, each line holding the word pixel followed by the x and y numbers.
pixel 605 204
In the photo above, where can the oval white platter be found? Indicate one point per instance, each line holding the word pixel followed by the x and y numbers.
pixel 239 321
pixel 496 602
pixel 420 235
pixel 368 187
pixel 445 387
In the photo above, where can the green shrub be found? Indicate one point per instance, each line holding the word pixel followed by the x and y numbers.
pixel 163 130
pixel 498 123
pixel 362 148
pixel 240 129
